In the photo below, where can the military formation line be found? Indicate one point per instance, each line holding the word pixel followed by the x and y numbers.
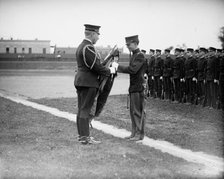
pixel 188 76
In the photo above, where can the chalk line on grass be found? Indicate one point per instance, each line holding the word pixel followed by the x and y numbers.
pixel 213 164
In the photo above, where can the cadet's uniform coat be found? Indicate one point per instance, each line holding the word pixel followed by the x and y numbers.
pixel 178 73
pixel 136 69
pixel 211 75
pixel 150 69
pixel 158 72
pixel 167 73
pixel 190 66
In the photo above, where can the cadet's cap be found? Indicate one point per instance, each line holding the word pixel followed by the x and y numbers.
pixel 92 28
pixel 144 51
pixel 132 39
pixel 158 50
pixel 190 50
pixel 197 51
pixel 203 49
pixel 151 50
pixel 212 49
pixel 177 50
pixel 167 50
pixel 182 50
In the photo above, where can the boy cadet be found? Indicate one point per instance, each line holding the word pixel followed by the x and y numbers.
pixel 136 69
pixel 86 81
pixel 150 69
pixel 221 80
pixel 178 74
pixel 167 74
pixel 158 74
pixel 211 77
pixel 201 65
pixel 190 66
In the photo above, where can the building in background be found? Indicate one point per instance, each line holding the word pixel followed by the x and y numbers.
pixel 24 46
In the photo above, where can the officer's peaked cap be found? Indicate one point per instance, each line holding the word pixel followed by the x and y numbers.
pixel 151 50
pixel 144 51
pixel 132 39
pixel 92 28
pixel 158 50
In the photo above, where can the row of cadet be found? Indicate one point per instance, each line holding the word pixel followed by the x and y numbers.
pixel 187 76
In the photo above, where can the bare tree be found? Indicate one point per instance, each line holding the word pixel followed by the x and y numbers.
pixel 221 36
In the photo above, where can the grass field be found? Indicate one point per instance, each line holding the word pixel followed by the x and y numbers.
pixel 35 144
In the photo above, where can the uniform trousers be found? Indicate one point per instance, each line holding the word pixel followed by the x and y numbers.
pixel 86 97
pixel 150 85
pixel 167 86
pixel 221 93
pixel 177 89
pixel 190 89
pixel 137 112
pixel 210 91
pixel 157 86
pixel 201 90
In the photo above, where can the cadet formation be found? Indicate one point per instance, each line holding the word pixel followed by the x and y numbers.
pixel 188 76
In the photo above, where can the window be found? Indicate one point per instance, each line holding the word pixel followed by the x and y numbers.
pixel 30 50
pixel 7 49
pixel 44 50
pixel 23 50
pixel 15 50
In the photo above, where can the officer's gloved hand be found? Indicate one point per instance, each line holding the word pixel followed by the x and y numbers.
pixel 194 79
pixel 115 65
pixel 112 70
pixel 161 77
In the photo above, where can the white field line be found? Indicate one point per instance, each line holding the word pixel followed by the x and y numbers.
pixel 212 163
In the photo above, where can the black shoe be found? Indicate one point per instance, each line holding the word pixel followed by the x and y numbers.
pixel 89 140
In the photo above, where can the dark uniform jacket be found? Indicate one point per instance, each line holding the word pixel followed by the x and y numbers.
pixel 178 67
pixel 158 66
pixel 136 69
pixel 150 66
pixel 167 67
pixel 212 68
pixel 89 66
pixel 221 69
pixel 201 67
pixel 190 66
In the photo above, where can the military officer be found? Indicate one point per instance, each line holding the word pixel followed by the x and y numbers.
pixel 136 70
pixel 86 80
pixel 178 74
pixel 158 74
pixel 167 74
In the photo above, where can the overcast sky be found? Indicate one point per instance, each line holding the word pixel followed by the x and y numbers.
pixel 159 23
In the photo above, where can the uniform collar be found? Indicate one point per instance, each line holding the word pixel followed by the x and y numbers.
pixel 136 51
pixel 88 40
